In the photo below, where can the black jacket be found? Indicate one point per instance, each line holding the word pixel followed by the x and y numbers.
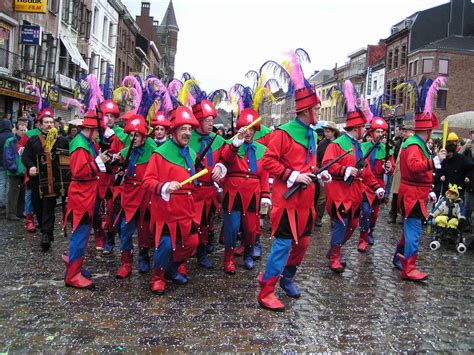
pixel 455 171
pixel 5 133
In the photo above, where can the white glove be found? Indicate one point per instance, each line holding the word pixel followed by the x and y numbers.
pixel 266 200
pixel 100 164
pixel 432 196
pixel 380 192
pixel 437 162
pixel 324 178
pixel 348 172
pixel 164 195
pixel 109 132
pixel 387 167
pixel 237 142
pixel 292 178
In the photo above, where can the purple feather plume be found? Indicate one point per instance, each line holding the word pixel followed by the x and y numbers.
pixel 135 88
pixel 349 95
pixel 37 94
pixel 433 92
pixel 175 86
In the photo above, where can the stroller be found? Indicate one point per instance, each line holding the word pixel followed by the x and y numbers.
pixel 447 221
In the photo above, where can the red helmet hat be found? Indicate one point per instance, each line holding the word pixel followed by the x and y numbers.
pixel 378 123
pixel 355 119
pixel 425 121
pixel 160 119
pixel 126 116
pixel 305 98
pixel 204 109
pixel 136 123
pixel 183 115
pixel 109 106
pixel 90 119
pixel 47 112
pixel 246 117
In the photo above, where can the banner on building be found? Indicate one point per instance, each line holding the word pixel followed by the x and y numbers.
pixel 31 35
pixel 38 6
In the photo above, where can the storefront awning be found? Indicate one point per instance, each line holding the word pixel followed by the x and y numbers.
pixel 74 53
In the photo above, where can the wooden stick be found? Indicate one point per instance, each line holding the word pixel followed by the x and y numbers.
pixel 248 127
pixel 194 177
pixel 445 133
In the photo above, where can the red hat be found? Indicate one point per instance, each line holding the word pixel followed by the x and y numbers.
pixel 378 123
pixel 136 123
pixel 204 109
pixel 246 117
pixel 425 121
pixel 160 119
pixel 47 112
pixel 355 118
pixel 126 116
pixel 90 119
pixel 109 106
pixel 184 115
pixel 305 98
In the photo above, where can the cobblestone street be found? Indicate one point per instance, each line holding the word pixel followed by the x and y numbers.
pixel 367 308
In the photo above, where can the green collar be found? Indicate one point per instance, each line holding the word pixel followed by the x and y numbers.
pixel 264 130
pixel 170 151
pixel 124 137
pixel 345 143
pixel 379 153
pixel 297 132
pixel 80 141
pixel 148 149
pixel 260 150
pixel 33 132
pixel 416 139
pixel 195 145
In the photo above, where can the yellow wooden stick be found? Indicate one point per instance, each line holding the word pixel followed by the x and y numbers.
pixel 194 177
pixel 445 133
pixel 248 127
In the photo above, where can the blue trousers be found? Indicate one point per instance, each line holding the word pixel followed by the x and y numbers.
pixel 28 205
pixel 231 228
pixel 277 258
pixel 163 255
pixel 78 241
pixel 126 233
pixel 365 212
pixel 339 231
pixel 412 231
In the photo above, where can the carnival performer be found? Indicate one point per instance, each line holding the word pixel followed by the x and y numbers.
pixel 173 218
pixel 205 192
pixel 344 194
pixel 134 198
pixel 40 158
pixel 161 126
pixel 86 163
pixel 381 163
pixel 245 189
pixel 291 158
pixel 115 139
pixel 416 168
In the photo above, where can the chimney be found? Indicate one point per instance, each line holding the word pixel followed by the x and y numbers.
pixel 459 12
pixel 145 11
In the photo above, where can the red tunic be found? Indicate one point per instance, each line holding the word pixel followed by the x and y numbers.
pixel 240 181
pixel 82 191
pixel 283 156
pixel 106 181
pixel 416 171
pixel 338 193
pixel 180 209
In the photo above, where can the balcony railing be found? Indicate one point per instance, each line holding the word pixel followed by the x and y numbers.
pixel 10 63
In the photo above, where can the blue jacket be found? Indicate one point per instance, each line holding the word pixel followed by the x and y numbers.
pixel 5 133
pixel 11 158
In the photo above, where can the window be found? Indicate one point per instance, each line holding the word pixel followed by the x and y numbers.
pixel 65 12
pixel 95 24
pixel 427 65
pixel 403 55
pixel 400 93
pixel 75 14
pixel 388 90
pixel 374 85
pixel 389 60
pixel 441 99
pixel 53 6
pixel 410 69
pixel 443 66
pixel 395 58
pixel 415 67
pixel 105 29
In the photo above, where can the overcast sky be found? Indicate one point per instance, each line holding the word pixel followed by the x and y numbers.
pixel 220 40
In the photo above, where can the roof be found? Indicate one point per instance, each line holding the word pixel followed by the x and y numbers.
pixel 457 43
pixel 320 76
pixel 170 18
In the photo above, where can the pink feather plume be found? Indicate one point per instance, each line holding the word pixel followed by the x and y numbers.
pixel 174 87
pixel 349 95
pixel 433 92
pixel 296 73
pixel 37 92
pixel 96 96
pixel 134 86
pixel 365 108
pixel 74 103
